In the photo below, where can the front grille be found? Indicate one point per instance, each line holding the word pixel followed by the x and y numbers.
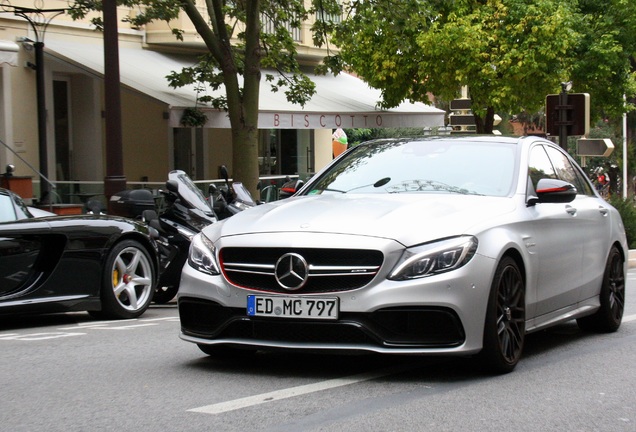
pixel 398 327
pixel 329 270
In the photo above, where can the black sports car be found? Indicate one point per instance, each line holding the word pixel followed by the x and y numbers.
pixel 104 265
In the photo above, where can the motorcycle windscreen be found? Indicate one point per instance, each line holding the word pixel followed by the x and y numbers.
pixel 189 192
pixel 242 194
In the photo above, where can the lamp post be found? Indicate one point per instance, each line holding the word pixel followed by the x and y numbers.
pixel 39 20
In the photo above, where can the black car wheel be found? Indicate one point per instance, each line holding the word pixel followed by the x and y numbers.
pixel 612 297
pixel 504 331
pixel 128 282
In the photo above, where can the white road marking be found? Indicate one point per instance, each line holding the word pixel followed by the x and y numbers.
pixel 40 336
pixel 127 327
pixel 297 391
pixel 629 318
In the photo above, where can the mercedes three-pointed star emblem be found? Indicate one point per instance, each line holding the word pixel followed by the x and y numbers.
pixel 291 271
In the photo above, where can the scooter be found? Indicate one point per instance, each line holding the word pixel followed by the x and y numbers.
pixel 229 199
pixel 185 213
pixel 290 187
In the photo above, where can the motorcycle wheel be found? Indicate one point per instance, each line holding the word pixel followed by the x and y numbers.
pixel 164 294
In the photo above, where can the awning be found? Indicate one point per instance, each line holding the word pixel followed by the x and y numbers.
pixel 341 101
pixel 8 53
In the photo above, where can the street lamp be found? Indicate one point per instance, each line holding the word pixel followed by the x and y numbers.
pixel 39 20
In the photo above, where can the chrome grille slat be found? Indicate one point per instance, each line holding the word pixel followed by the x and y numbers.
pixel 329 270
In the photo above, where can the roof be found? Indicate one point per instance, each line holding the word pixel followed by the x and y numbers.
pixel 340 101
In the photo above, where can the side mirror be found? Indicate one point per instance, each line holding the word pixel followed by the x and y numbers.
pixel 553 191
pixel 224 174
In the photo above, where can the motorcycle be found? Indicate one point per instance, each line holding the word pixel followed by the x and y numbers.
pixel 290 187
pixel 184 213
pixel 229 199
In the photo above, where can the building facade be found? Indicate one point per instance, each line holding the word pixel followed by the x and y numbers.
pixel 293 139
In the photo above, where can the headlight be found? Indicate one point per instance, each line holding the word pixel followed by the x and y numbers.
pixel 434 258
pixel 202 255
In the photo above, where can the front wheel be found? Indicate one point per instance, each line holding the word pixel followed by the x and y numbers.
pixel 504 329
pixel 608 317
pixel 128 283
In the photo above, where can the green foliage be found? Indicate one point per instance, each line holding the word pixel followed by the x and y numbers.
pixel 605 58
pixel 357 136
pixel 628 213
pixel 510 53
pixel 193 117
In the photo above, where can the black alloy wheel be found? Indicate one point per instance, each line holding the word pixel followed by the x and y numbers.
pixel 608 317
pixel 505 328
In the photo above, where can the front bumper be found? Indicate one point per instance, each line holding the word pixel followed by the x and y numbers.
pixel 441 314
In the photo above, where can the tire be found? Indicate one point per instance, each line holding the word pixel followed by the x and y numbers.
pixel 128 283
pixel 164 294
pixel 505 328
pixel 608 317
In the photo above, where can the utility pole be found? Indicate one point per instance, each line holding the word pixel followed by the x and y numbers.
pixel 563 114
pixel 115 180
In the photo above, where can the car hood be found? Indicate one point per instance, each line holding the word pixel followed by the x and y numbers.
pixel 406 218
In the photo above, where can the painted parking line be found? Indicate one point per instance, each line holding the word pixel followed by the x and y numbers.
pixel 298 391
pixel 245 402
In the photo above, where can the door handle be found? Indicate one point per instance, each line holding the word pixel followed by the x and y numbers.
pixel 570 210
pixel 604 211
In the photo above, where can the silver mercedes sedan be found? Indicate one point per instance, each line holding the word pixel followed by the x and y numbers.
pixel 440 246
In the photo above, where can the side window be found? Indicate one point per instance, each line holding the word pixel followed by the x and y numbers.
pixel 568 172
pixel 540 166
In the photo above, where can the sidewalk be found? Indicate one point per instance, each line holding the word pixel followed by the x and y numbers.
pixel 632 258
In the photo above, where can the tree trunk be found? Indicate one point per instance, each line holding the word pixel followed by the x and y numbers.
pixel 486 124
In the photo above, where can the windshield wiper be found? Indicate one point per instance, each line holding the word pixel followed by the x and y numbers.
pixel 377 184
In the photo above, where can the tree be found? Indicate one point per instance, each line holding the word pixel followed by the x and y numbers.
pixel 239 48
pixel 605 65
pixel 510 53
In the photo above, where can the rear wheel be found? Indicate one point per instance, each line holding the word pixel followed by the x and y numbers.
pixel 128 281
pixel 608 317
pixel 504 330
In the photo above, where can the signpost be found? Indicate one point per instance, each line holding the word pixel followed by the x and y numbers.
pixel 602 147
pixel 461 119
pixel 567 115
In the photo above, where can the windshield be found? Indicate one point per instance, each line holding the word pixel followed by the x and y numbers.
pixel 189 192
pixel 426 166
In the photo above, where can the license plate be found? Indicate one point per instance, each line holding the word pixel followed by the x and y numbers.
pixel 292 307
